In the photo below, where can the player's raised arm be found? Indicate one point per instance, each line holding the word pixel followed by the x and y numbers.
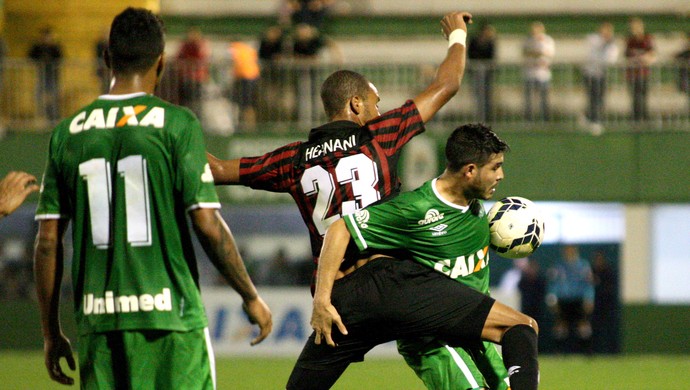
pixel 324 314
pixel 224 171
pixel 449 75
pixel 219 244
pixel 48 267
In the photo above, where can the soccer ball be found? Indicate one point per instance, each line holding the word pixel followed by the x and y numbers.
pixel 516 227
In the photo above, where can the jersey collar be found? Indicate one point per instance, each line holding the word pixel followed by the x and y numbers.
pixel 122 97
pixel 327 130
pixel 450 204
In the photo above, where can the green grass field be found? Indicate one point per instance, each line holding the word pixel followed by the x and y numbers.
pixel 24 370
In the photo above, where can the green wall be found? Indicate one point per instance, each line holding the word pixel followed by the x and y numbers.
pixel 646 167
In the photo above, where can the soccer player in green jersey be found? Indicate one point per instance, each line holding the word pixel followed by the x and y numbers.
pixel 128 170
pixel 443 229
pixel 14 189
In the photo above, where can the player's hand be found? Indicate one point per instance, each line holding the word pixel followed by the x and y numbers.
pixel 322 319
pixel 14 188
pixel 455 21
pixel 259 314
pixel 56 349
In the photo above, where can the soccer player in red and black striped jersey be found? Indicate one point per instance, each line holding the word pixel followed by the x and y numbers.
pixel 351 161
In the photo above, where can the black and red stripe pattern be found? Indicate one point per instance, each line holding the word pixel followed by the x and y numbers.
pixel 331 180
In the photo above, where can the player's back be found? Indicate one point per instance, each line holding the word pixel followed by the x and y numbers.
pixel 340 169
pixel 124 168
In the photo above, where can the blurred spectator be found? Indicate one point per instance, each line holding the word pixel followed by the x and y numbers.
pixel 683 61
pixel 246 74
pixel 271 46
pixel 311 12
pixel 537 51
pixel 532 287
pixel 571 296
pixel 16 276
pixel 640 53
pixel 47 54
pixel 193 69
pixel 279 271
pixel 308 43
pixel 102 70
pixel 606 305
pixel 482 53
pixel 602 53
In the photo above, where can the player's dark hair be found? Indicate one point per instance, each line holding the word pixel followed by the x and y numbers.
pixel 339 87
pixel 472 143
pixel 137 39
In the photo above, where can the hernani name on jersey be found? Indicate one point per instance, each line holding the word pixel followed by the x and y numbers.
pixel 110 303
pixel 117 117
pixel 332 145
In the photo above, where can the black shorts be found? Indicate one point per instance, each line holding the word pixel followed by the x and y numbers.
pixel 388 299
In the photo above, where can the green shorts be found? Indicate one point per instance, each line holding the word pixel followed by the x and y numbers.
pixel 147 359
pixel 442 367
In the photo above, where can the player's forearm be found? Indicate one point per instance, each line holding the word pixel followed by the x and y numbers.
pixel 224 171
pixel 332 253
pixel 48 268
pixel 220 246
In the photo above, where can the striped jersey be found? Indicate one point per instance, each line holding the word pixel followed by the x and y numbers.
pixel 340 169
pixel 449 238
pixel 125 170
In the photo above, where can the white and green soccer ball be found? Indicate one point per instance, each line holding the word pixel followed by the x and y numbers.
pixel 516 227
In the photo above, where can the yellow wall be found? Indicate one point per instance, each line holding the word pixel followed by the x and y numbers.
pixel 78 25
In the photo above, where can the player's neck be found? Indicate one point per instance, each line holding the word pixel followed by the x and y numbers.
pixel 124 85
pixel 449 187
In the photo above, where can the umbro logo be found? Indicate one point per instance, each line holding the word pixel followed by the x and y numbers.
pixel 439 230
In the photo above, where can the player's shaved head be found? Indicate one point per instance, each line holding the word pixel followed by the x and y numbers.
pixel 339 88
pixel 472 143
pixel 137 39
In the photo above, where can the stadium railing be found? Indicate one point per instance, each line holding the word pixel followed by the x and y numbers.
pixel 286 96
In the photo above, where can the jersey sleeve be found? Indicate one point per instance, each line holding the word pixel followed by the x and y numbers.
pixel 194 180
pixel 51 205
pixel 271 172
pixel 397 127
pixel 380 226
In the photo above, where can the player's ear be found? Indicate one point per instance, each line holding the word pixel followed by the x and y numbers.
pixel 355 105
pixel 160 66
pixel 469 170
pixel 106 58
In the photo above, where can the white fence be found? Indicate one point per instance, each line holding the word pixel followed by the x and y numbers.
pixel 287 95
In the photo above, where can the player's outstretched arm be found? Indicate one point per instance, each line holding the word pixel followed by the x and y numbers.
pixel 14 189
pixel 219 244
pixel 324 314
pixel 48 267
pixel 224 171
pixel 449 75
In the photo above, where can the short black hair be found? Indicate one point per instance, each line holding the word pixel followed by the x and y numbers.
pixel 137 39
pixel 339 88
pixel 473 143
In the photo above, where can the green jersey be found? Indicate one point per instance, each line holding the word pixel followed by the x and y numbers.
pixel 126 169
pixel 451 239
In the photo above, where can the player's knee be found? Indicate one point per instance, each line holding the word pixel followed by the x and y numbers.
pixel 532 323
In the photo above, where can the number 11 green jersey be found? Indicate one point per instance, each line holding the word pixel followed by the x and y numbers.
pixel 125 170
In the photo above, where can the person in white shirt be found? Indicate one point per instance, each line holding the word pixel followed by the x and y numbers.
pixel 602 53
pixel 538 51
